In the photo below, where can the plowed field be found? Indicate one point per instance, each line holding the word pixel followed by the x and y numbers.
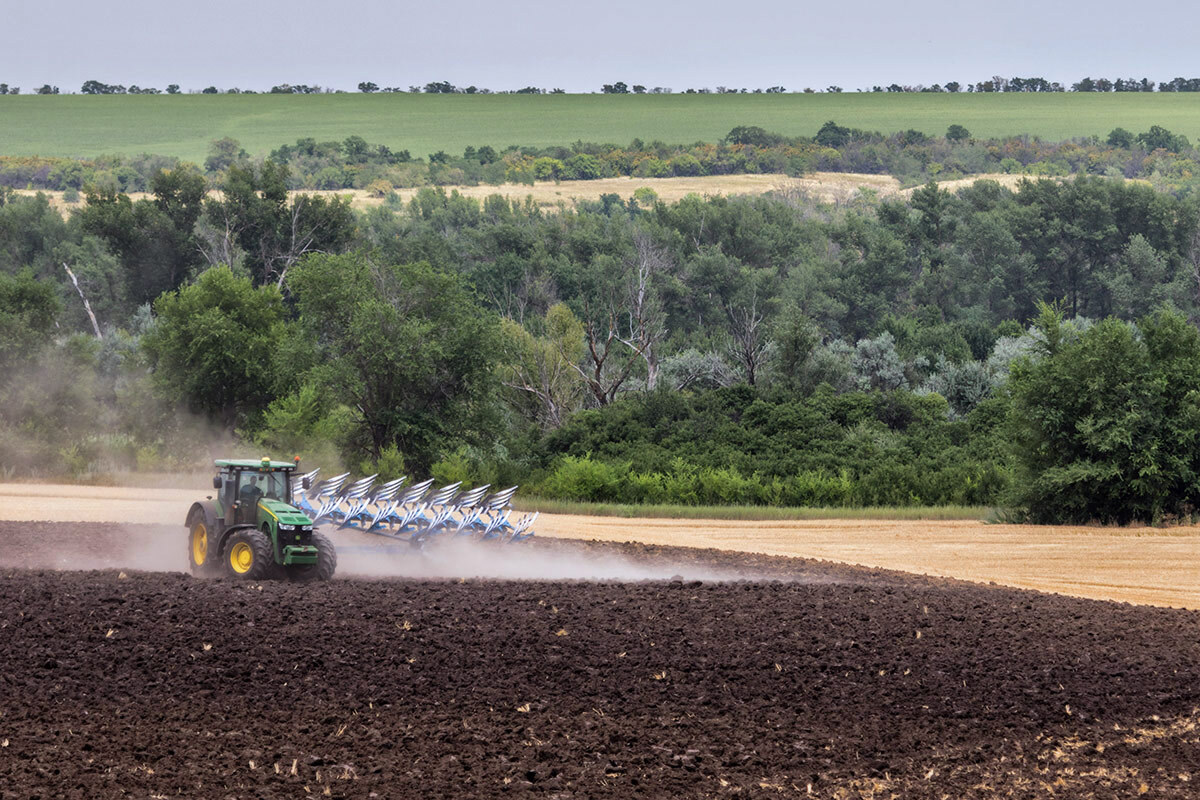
pixel 786 678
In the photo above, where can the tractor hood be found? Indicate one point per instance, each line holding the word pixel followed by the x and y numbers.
pixel 282 512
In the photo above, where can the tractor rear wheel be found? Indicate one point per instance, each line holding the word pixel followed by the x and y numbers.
pixel 202 555
pixel 249 555
pixel 326 562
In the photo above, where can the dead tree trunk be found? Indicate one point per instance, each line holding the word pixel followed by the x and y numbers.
pixel 605 372
pixel 86 305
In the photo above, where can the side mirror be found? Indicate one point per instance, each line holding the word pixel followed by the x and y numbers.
pixel 306 483
pixel 216 481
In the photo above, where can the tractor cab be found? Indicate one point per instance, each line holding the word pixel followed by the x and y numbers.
pixel 243 484
pixel 252 527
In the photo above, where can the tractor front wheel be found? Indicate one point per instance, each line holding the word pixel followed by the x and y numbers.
pixel 249 555
pixel 326 562
pixel 202 555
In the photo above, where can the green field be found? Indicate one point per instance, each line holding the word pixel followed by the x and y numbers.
pixel 182 125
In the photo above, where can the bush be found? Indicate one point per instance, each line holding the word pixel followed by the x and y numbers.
pixel 548 169
pixel 379 188
pixel 583 479
pixel 388 466
pixel 686 165
pixel 652 168
pixel 734 446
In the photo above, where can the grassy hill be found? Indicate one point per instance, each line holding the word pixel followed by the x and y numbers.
pixel 182 125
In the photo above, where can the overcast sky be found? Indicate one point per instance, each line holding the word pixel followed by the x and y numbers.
pixel 578 47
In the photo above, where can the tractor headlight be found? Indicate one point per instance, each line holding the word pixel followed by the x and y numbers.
pixel 287 527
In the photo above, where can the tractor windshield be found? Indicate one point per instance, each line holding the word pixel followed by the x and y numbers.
pixel 252 486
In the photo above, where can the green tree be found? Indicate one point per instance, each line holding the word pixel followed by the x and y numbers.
pixel 28 310
pixel 179 193
pixel 222 153
pixel 273 230
pixel 1106 423
pixel 1119 137
pixel 405 345
pixel 356 149
pixel 30 231
pixel 215 344
pixel 153 239
pixel 1159 138
pixel 753 135
pixel 539 371
pixel 1140 279
pixel 101 280
pixel 833 135
pixel 957 133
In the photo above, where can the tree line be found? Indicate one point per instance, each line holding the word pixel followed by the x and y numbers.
pixel 991 85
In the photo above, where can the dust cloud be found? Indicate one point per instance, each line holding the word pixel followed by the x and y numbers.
pixel 89 546
pixel 163 548
pixel 466 558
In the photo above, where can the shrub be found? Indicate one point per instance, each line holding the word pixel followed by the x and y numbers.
pixel 548 169
pixel 686 165
pixel 379 188
pixel 388 466
pixel 586 480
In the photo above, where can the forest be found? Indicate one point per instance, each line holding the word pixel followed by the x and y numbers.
pixel 1033 349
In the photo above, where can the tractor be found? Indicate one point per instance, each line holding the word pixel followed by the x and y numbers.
pixel 251 531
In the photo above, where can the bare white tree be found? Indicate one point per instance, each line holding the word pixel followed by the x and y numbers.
pixel 217 238
pixel 86 305
pixel 300 241
pixel 644 325
pixel 516 299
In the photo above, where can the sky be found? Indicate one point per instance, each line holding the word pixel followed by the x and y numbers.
pixel 578 47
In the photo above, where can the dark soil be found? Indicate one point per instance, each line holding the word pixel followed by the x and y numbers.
pixel 836 681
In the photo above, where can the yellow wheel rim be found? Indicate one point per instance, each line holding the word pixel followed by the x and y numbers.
pixel 199 543
pixel 241 558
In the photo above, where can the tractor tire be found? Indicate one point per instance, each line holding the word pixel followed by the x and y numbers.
pixel 203 557
pixel 326 562
pixel 249 555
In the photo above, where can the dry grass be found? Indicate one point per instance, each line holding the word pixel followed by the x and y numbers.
pixel 749 513
pixel 1004 179
pixel 827 187
pixel 1137 565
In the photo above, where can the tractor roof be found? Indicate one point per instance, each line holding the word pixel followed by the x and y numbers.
pixel 249 463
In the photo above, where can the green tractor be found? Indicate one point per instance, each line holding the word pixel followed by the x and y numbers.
pixel 250 529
